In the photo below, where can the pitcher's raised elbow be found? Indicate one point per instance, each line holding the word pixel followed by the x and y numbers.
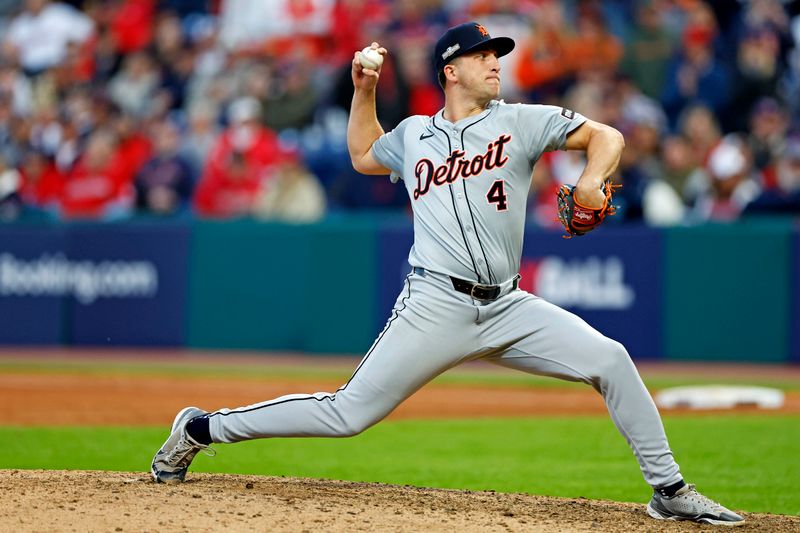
pixel 357 165
pixel 620 138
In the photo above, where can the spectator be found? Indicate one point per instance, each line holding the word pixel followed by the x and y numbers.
pixel 543 68
pixel 175 79
pixel 200 136
pixel 274 25
pixel 132 24
pixel 648 53
pixel 767 136
pixel 17 88
pixel 47 132
pixel 8 145
pixel 187 8
pixel 700 127
pixel 784 196
pixel 416 18
pixel 164 184
pixel 679 167
pixel 766 14
pixel 39 36
pixel 757 72
pixel 41 181
pixel 134 87
pixel 790 82
pixel 354 20
pixel 76 122
pixel 134 145
pixel 695 75
pixel 292 99
pixel 106 59
pixel 643 123
pixel 15 132
pixel 731 184
pixel 666 200
pixel 174 58
pixel 293 195
pixel 425 96
pixel 594 52
pixel 97 186
pixel 10 184
pixel 244 158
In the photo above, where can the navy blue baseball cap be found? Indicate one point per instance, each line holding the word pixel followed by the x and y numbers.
pixel 465 38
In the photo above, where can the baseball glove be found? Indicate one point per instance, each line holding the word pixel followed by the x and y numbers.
pixel 577 219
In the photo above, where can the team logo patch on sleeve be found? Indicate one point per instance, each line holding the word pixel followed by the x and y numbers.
pixel 567 113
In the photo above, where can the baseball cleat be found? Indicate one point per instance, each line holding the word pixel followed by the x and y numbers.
pixel 176 454
pixel 688 504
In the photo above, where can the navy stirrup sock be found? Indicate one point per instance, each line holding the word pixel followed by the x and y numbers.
pixel 669 491
pixel 198 429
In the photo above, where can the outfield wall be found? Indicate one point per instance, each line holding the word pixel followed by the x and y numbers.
pixel 702 293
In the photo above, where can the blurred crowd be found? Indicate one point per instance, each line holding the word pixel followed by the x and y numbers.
pixel 236 108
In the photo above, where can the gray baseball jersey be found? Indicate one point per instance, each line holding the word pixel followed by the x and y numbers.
pixel 468 183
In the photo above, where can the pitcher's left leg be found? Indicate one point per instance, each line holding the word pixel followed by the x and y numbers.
pixel 554 342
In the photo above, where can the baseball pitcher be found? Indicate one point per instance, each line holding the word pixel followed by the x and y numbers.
pixel 467 170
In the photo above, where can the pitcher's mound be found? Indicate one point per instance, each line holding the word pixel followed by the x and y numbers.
pixel 37 500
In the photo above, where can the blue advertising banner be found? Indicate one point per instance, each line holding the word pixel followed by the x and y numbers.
pixel 393 245
pixel 130 284
pixel 611 278
pixel 31 303
pixel 794 317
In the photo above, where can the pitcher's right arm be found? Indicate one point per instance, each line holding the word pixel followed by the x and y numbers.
pixel 363 128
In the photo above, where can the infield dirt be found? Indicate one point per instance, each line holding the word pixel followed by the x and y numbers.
pixel 35 500
pixel 81 395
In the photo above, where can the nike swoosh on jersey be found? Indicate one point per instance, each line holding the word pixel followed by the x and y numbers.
pixel 423 136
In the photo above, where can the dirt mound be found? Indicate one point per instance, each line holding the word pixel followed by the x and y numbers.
pixel 36 500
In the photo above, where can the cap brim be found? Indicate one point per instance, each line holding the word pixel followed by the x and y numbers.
pixel 501 45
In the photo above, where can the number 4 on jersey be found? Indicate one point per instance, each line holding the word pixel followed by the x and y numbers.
pixel 497 195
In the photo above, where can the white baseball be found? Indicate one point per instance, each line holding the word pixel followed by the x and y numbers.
pixel 370 58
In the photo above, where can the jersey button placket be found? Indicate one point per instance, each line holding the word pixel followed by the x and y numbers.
pixel 463 208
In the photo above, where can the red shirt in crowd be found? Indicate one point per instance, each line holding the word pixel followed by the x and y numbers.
pixel 41 184
pixel 87 192
pixel 132 25
pixel 236 171
pixel 90 189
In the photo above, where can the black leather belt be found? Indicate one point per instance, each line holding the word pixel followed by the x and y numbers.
pixel 476 290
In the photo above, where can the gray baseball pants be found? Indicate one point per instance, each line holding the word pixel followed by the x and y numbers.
pixel 433 328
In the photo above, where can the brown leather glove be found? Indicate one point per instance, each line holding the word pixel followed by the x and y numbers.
pixel 578 219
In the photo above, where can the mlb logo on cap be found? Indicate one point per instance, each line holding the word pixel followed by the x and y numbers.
pixel 465 38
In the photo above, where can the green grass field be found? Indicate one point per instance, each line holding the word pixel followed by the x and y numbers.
pixel 745 461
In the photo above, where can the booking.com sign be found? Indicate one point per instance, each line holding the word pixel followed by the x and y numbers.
pixel 590 283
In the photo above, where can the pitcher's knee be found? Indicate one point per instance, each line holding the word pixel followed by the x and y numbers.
pixel 357 423
pixel 612 361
